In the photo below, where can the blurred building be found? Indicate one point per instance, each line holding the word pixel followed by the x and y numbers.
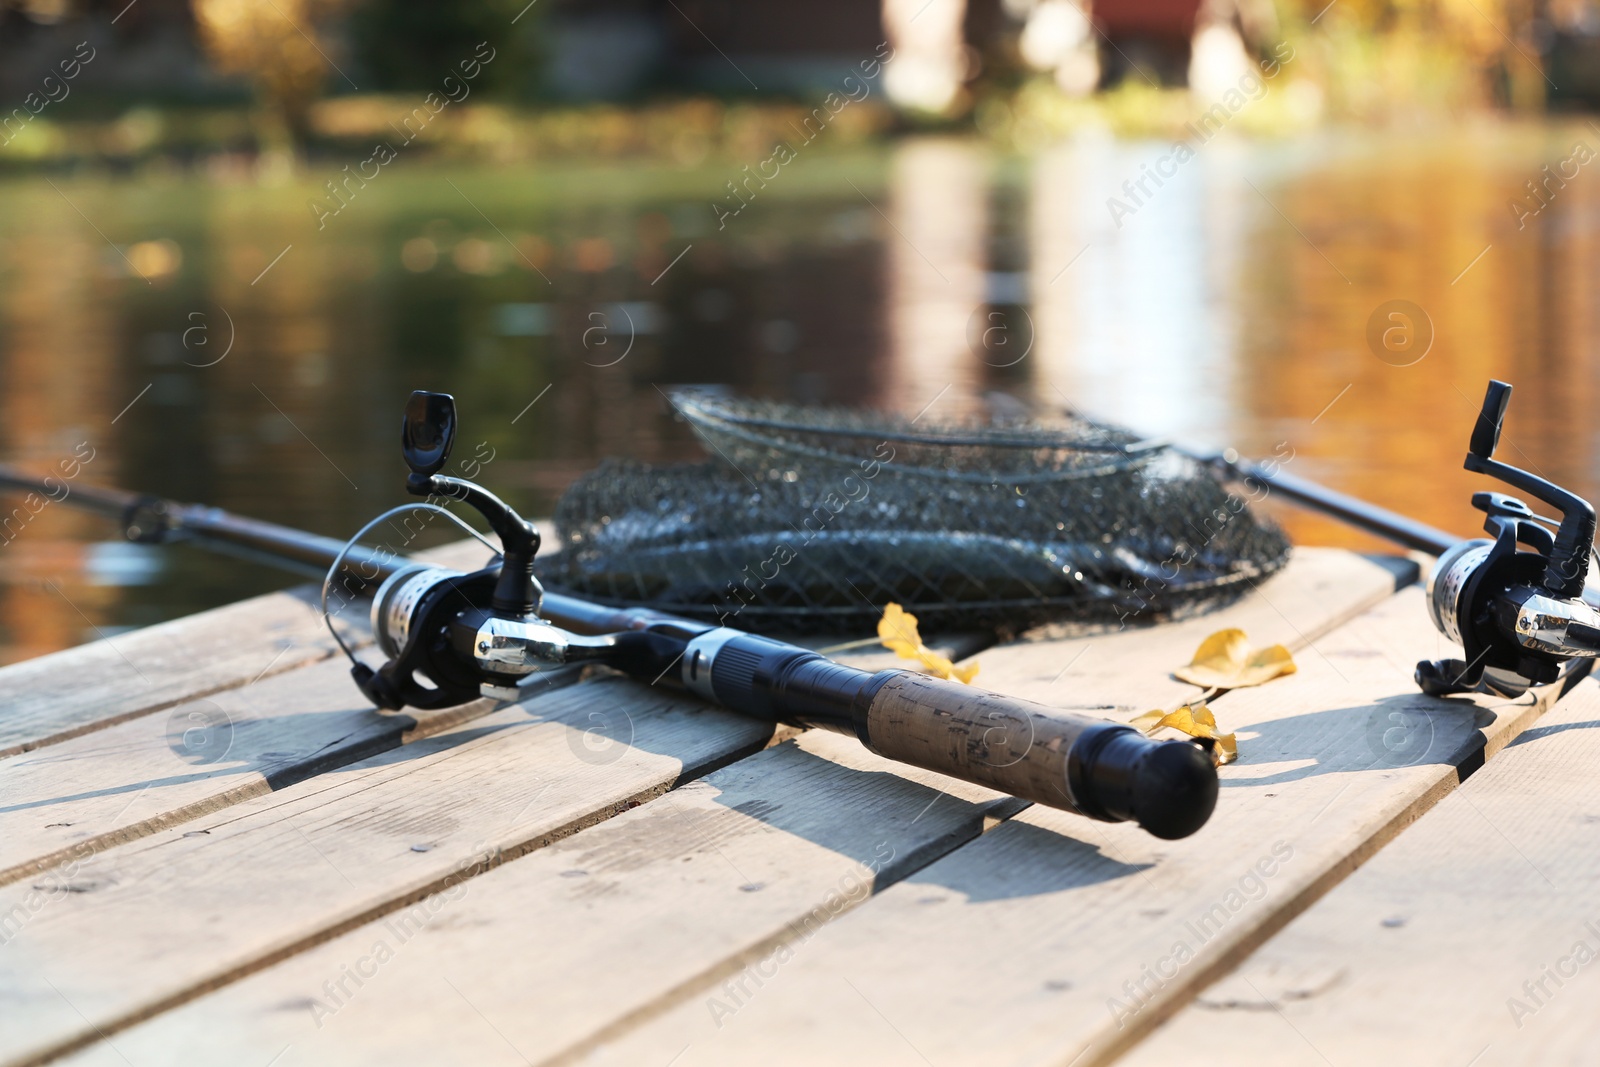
pixel 609 48
pixel 614 48
pixel 620 49
pixel 1568 34
pixel 147 50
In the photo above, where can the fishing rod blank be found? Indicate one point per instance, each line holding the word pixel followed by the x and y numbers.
pixel 1390 525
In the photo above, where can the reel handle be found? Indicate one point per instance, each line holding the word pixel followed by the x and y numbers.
pixel 1491 420
pixel 429 432
pixel 426 436
pixel 1567 561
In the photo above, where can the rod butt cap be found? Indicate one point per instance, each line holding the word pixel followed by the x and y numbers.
pixel 1168 787
pixel 1175 789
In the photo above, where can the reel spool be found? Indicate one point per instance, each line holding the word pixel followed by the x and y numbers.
pixel 1520 614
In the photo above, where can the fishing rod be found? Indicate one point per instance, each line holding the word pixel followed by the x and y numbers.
pixel 483 633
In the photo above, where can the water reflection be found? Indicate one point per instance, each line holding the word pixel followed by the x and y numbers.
pixel 1137 321
pixel 1231 307
pixel 938 196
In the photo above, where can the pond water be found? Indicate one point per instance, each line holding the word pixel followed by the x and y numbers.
pixel 203 339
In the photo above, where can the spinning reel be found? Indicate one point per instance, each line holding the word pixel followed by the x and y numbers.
pixel 1521 616
pixel 469 635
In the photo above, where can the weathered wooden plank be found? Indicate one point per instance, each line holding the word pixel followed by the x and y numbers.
pixel 1319 589
pixel 62 695
pixel 67 693
pixel 764 851
pixel 114 936
pixel 1079 937
pixel 1470 939
pixel 81 793
pixel 59 696
pixel 112 782
pixel 95 791
pixel 710 937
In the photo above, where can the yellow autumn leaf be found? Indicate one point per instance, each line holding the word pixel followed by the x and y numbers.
pixel 1195 720
pixel 898 632
pixel 1225 661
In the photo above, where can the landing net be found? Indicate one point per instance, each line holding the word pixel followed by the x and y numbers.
pixel 807 519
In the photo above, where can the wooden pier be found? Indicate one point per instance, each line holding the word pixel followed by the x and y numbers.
pixel 213 851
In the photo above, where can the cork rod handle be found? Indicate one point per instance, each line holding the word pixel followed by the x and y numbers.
pixel 1082 764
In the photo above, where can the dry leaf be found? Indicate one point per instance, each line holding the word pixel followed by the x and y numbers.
pixel 1195 720
pixel 1225 661
pixel 898 632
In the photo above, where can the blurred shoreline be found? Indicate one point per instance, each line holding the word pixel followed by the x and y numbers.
pixel 686 132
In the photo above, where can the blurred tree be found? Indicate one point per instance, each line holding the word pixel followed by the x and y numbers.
pixel 275 44
pixel 411 44
pixel 1377 57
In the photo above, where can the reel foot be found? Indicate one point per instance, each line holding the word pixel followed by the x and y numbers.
pixel 1443 677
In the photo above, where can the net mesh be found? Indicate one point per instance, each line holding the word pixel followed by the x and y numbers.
pixel 810 520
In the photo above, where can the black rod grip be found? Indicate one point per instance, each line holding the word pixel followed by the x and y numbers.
pixel 1079 763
